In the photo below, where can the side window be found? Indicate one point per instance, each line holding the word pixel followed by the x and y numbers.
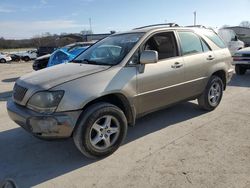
pixel 190 43
pixel 164 44
pixel 135 58
pixel 205 46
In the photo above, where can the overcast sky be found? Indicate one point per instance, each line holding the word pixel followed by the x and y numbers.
pixel 26 18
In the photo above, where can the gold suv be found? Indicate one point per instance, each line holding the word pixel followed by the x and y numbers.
pixel 120 78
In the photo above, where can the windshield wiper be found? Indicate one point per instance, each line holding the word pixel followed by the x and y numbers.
pixel 86 61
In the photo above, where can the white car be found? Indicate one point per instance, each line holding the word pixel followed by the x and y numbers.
pixel 4 58
pixel 242 61
pixel 231 40
pixel 28 55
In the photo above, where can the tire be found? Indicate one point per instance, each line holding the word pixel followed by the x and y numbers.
pixel 240 70
pixel 93 138
pixel 212 95
pixel 3 61
pixel 26 58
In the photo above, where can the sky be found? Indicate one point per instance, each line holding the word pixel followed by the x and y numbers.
pixel 27 18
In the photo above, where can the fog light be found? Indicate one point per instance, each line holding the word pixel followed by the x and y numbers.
pixel 43 125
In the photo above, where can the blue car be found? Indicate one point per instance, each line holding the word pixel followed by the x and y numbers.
pixel 67 53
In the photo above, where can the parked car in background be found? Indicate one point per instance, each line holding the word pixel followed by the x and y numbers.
pixel 242 61
pixel 15 57
pixel 44 50
pixel 65 54
pixel 27 55
pixel 61 55
pixel 41 62
pixel 231 40
pixel 4 58
pixel 120 78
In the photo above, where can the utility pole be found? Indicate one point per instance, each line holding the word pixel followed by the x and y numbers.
pixel 90 24
pixel 195 17
pixel 90 29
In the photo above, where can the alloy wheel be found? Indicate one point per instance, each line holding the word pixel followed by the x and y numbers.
pixel 214 94
pixel 104 132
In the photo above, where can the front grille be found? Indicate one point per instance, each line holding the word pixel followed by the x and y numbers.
pixel 19 92
pixel 245 55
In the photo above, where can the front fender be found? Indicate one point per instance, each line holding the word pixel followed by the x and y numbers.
pixel 81 91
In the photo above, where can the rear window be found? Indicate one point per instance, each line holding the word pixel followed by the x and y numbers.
pixel 215 38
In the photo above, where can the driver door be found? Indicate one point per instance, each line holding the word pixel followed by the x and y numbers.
pixel 160 84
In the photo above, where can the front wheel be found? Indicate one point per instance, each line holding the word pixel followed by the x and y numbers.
pixel 26 58
pixel 101 130
pixel 212 94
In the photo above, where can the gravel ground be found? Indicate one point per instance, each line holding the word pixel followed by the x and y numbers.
pixel 177 147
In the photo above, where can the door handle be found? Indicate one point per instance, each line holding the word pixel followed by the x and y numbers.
pixel 210 58
pixel 176 65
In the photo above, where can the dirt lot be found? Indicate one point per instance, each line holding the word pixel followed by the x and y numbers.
pixel 177 147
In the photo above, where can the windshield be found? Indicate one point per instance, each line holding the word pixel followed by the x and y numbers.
pixel 109 51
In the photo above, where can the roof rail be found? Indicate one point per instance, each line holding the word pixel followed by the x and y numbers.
pixel 155 25
pixel 198 26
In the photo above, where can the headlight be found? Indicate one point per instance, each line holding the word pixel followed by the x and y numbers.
pixel 45 101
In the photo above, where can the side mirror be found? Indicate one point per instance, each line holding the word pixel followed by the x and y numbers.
pixel 148 57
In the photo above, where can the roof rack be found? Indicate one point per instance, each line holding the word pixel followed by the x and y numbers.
pixel 155 25
pixel 198 26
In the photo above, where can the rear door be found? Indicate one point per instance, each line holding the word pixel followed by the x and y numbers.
pixel 197 56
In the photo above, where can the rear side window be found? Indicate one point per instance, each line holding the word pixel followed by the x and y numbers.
pixel 215 38
pixel 190 43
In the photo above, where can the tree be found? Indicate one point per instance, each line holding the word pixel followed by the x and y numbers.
pixel 245 24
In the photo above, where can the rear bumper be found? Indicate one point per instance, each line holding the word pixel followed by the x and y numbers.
pixel 56 125
pixel 230 73
pixel 8 59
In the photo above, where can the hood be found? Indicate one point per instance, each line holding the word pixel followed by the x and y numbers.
pixel 53 76
pixel 241 42
pixel 47 56
pixel 244 51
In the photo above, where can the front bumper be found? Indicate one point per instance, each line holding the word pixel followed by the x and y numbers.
pixel 56 125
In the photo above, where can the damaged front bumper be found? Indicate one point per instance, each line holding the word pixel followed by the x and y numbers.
pixel 53 126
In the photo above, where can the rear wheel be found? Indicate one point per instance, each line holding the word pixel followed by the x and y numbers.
pixel 101 130
pixel 240 70
pixel 26 58
pixel 2 61
pixel 212 95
